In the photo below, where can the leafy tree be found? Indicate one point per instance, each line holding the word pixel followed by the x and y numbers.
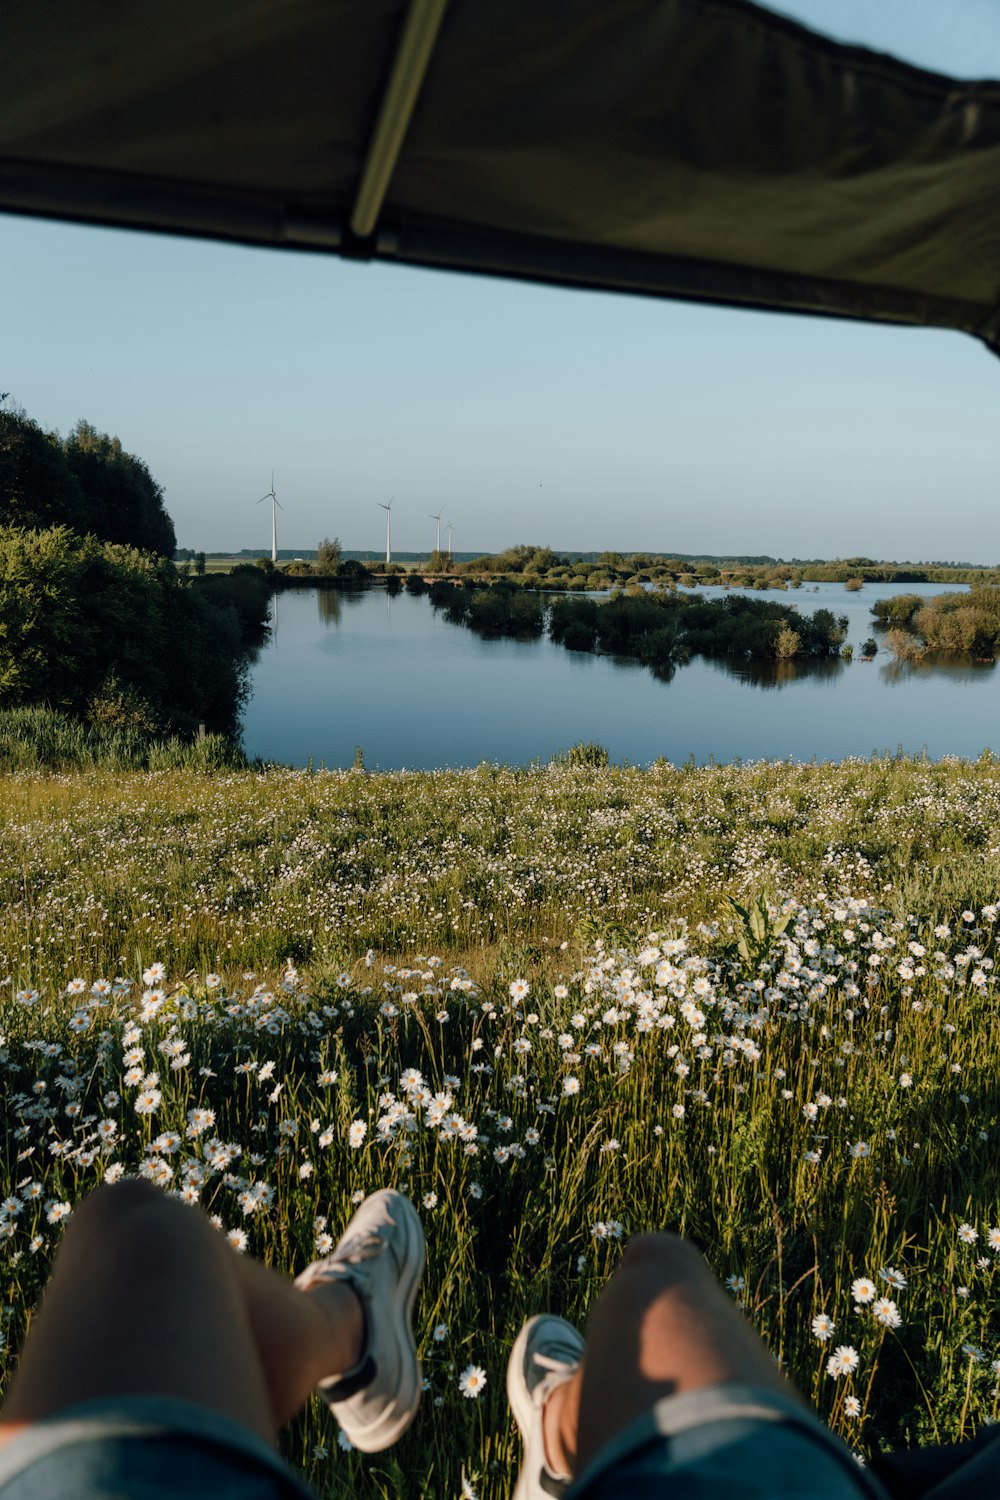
pixel 37 485
pixel 328 556
pixel 124 501
pixel 42 620
pixel 89 483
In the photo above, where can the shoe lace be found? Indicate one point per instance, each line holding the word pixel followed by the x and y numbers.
pixel 364 1245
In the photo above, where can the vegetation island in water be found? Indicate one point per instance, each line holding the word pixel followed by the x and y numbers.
pixel 107 626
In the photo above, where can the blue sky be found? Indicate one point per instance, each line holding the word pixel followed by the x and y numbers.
pixel 574 419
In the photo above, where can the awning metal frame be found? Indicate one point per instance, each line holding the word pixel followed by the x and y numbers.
pixel 409 68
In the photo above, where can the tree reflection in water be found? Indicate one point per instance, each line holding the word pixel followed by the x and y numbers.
pixel 763 672
pixel 330 603
pixel 766 672
pixel 955 666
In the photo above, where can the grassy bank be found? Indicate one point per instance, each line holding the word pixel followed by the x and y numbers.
pixel 604 1042
pixel 42 740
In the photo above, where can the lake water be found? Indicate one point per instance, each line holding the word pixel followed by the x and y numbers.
pixel 391 675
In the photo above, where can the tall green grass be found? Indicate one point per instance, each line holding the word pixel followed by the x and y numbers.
pixel 40 739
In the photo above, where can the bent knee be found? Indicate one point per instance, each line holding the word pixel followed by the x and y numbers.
pixel 109 1208
pixel 663 1250
pixel 133 1221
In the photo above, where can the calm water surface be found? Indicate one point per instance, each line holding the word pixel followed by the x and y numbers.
pixel 391 675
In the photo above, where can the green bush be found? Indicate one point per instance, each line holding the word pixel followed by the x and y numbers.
pixel 105 631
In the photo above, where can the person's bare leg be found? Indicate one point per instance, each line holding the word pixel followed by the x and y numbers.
pixel 146 1297
pixel 662 1326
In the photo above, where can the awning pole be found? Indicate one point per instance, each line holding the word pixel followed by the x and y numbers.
pixel 413 55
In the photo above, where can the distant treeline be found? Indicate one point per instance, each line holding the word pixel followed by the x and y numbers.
pixel 540 567
pixel 95 620
pixel 699 564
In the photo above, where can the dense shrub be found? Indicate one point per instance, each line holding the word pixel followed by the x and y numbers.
pixel 899 610
pixel 116 636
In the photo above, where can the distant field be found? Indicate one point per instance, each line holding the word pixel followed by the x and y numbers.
pixel 806 1082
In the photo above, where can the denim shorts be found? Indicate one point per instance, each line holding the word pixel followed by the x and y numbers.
pixel 143 1448
pixel 726 1441
pixel 737 1440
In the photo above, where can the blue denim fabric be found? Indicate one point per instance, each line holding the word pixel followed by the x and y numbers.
pixel 726 1441
pixel 143 1448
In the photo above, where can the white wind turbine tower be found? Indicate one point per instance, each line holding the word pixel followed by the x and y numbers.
pixel 437 518
pixel 449 528
pixel 388 528
pixel 274 521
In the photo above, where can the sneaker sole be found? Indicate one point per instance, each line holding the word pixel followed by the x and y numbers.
pixel 382 1434
pixel 519 1398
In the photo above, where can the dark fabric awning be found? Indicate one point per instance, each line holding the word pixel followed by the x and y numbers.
pixel 702 149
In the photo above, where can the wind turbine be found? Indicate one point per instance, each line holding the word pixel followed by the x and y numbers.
pixel 274 520
pixel 449 528
pixel 437 518
pixel 388 528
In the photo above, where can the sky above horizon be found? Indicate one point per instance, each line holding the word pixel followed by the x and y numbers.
pixel 573 419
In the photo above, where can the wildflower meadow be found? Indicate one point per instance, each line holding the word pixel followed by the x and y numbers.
pixel 754 1004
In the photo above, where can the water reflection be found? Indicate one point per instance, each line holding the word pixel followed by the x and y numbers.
pixel 766 672
pixel 330 606
pixel 626 663
pixel 935 664
pixel 330 603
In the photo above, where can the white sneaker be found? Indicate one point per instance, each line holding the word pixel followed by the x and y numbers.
pixel 381 1257
pixel 545 1355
